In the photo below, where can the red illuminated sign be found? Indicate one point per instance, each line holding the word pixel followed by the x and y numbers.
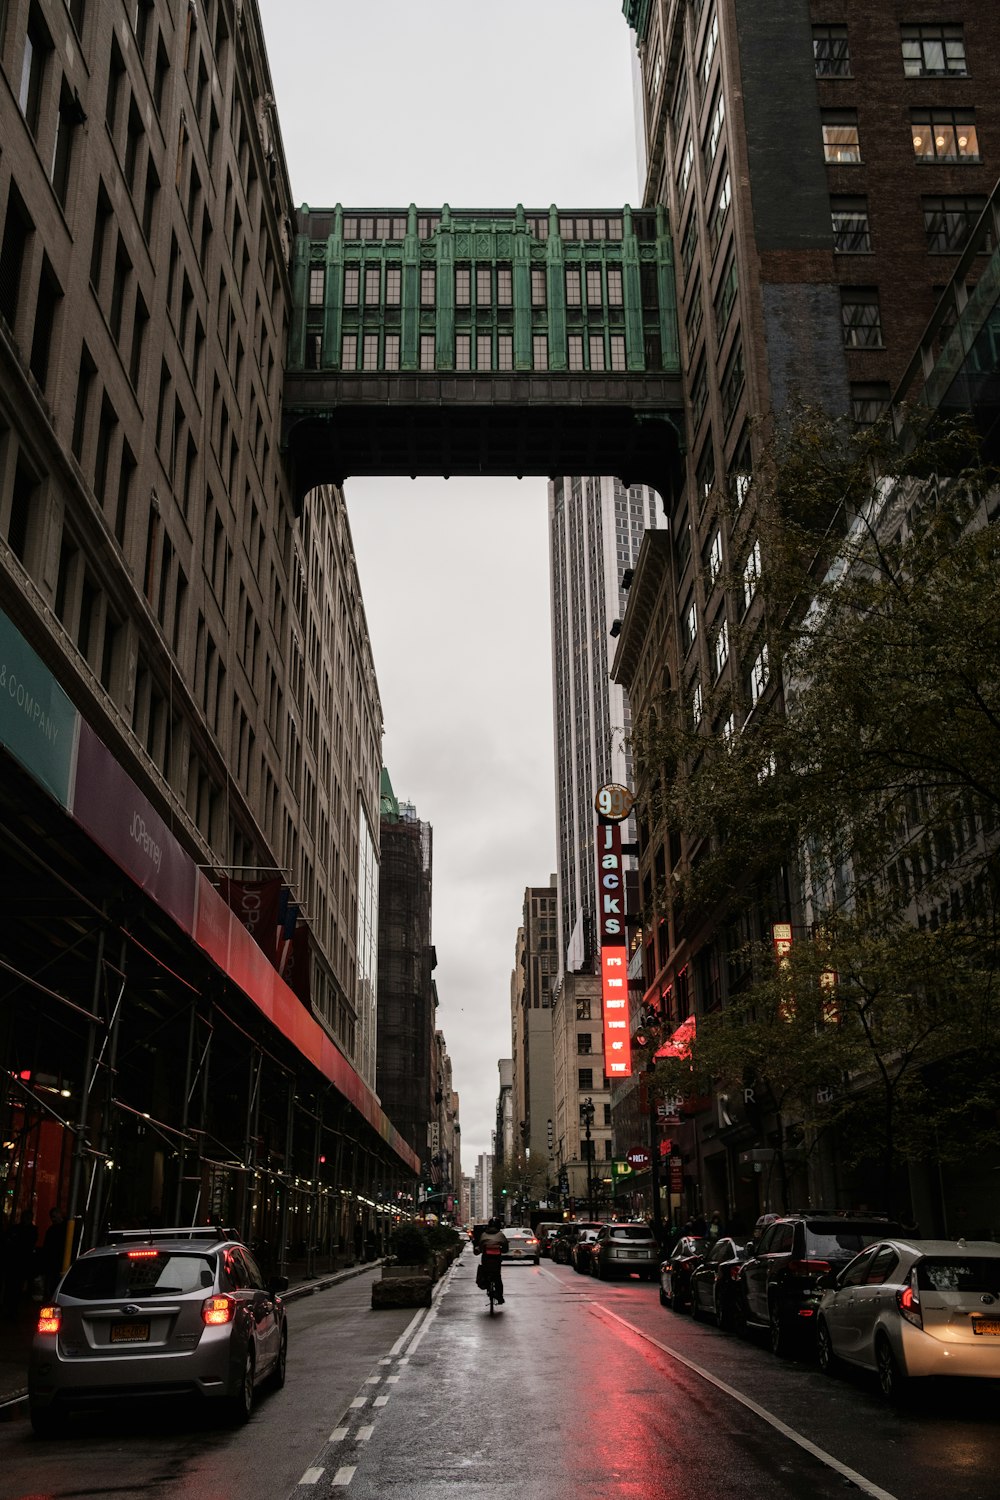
pixel 614 953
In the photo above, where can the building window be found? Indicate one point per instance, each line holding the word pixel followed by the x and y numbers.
pixel 751 575
pixel 575 351
pixel 393 285
pixel 714 558
pixel 463 351
pixel 944 134
pixel 617 342
pixel 732 380
pixel 705 479
pixel 373 279
pixel 697 705
pixel 584 1042
pixel 314 351
pixel 868 402
pixel 841 144
pixel 427 287
pixel 349 352
pixel 484 351
pixel 861 318
pixel 708 51
pixel 505 287
pixel 537 287
pixel 725 297
pixel 484 286
pixel 729 729
pixel 849 221
pixel 37 46
pixel 699 394
pixel 573 287
pixel 463 286
pixel 831 52
pixel 721 646
pixel 67 120
pixel 505 351
pixel 716 121
pixel 369 352
pixel 689 241
pixel 687 165
pixel 759 675
pixel 585 1078
pixel 597 351
pixel 352 285
pixel 392 351
pixel 720 209
pixel 615 296
pixel 427 351
pixel 594 294
pixel 583 1008
pixel 934 51
pixel 17 231
pixel 540 351
pixel 693 316
pixel 317 286
pixel 689 626
pixel 949 222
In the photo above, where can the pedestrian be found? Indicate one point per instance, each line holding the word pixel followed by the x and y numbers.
pixel 715 1229
pixel 19 1255
pixel 53 1251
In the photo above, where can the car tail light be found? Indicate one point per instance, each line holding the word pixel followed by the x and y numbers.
pixel 216 1310
pixel 808 1267
pixel 531 1242
pixel 49 1319
pixel 908 1302
pixel 143 1254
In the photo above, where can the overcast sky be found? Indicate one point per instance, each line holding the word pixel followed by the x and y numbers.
pixel 479 104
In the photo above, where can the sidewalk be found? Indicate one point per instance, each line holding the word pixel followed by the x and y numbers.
pixel 16 1336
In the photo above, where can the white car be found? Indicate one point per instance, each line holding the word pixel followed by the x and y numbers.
pixel 907 1309
pixel 522 1245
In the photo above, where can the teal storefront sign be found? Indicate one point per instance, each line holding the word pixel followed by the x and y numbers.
pixel 37 720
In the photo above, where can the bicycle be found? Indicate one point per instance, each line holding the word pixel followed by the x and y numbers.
pixel 495 1298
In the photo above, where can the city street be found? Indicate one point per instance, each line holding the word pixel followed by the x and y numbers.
pixel 574 1388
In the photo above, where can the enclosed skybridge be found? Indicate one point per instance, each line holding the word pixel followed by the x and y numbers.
pixel 471 342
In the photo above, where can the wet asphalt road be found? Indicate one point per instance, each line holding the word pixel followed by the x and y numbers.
pixel 575 1389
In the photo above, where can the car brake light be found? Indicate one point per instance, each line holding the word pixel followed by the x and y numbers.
pixel 216 1310
pixel 143 1254
pixel 908 1302
pixel 49 1319
pixel 808 1267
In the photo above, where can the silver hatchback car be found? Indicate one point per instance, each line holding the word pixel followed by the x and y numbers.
pixel 902 1309
pixel 158 1314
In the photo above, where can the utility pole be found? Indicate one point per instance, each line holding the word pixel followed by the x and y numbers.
pixel 587 1111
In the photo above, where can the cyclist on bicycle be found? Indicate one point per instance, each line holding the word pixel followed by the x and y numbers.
pixel 493 1247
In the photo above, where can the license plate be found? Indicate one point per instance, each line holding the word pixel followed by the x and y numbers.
pixel 129 1333
pixel 986 1325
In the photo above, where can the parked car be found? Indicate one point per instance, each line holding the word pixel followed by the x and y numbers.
pixel 778 1282
pixel 675 1271
pixel 912 1308
pixel 155 1314
pixel 582 1251
pixel 562 1243
pixel 624 1249
pixel 521 1245
pixel 546 1231
pixel 714 1282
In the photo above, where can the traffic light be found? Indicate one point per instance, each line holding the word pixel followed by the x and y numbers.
pixel 503 1192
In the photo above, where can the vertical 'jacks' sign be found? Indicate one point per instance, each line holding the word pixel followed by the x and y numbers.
pixel 614 950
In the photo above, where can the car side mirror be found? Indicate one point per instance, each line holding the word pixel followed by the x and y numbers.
pixel 827 1281
pixel 749 1248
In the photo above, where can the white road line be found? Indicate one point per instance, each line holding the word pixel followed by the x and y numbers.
pixel 865 1485
pixel 408 1331
pixel 374 1380
pixel 311 1476
pixel 391 1379
pixel 343 1476
pixel 405 1360
pixel 364 1433
pixel 385 1361
pixel 358 1402
pixel 338 1434
pixel 381 1401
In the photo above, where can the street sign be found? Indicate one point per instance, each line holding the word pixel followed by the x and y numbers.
pixel 676 1175
pixel 613 803
pixel 637 1157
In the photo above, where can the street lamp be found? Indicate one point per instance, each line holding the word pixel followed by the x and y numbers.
pixel 587 1114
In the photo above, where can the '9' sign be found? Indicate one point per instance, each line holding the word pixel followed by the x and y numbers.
pixel 613 803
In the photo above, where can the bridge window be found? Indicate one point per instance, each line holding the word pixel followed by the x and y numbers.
pixel 352 285
pixel 369 358
pixel 391 361
pixel 505 286
pixel 317 285
pixel 427 350
pixel 349 352
pixel 618 351
pixel 573 289
pixel 463 352
pixel 537 287
pixel 540 351
pixel 393 285
pixel 505 351
pixel 484 286
pixel 594 295
pixel 463 286
pixel 484 351
pixel 372 285
pixel 597 351
pixel 575 351
pixel 427 287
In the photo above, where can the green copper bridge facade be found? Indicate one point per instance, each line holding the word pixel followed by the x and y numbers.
pixel 483 342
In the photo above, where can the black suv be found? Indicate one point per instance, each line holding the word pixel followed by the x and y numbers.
pixel 777 1284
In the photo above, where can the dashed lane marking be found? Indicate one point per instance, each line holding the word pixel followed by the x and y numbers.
pixel 381 1401
pixel 359 1402
pixel 338 1434
pixel 311 1476
pixel 867 1486
pixel 343 1476
pixel 364 1433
